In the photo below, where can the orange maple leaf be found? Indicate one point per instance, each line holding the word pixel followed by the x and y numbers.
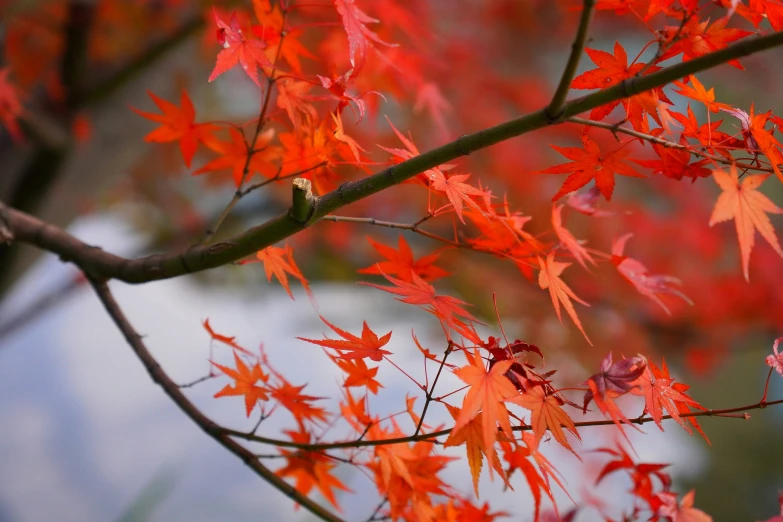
pixel 310 469
pixel 549 277
pixel 271 29
pixel 748 207
pixel 359 375
pixel 223 338
pixel 292 399
pixel 341 136
pixel 234 152
pixel 472 436
pixel 546 414
pixel 400 263
pixel 488 390
pixel 279 262
pixel 590 164
pixel 293 97
pixel 369 345
pixel 456 191
pixel 699 93
pixel 177 124
pixel 660 394
pixel 246 380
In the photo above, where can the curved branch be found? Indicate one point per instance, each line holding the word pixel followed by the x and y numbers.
pixel 103 265
pixel 213 430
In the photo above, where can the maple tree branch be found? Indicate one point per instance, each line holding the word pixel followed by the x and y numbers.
pixel 615 128
pixel 100 264
pixel 577 48
pixel 357 443
pixel 160 377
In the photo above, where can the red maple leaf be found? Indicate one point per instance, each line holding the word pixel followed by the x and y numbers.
pixel 238 50
pixel 417 291
pixel 279 262
pixel 590 164
pixel 10 104
pixel 642 473
pixel 676 163
pixel 178 124
pixel 758 139
pixel 360 38
pixel 369 345
pixel 637 274
pixel 612 69
pixel 684 512
pixel 568 240
pixel 772 11
pixel 401 264
pixel 697 38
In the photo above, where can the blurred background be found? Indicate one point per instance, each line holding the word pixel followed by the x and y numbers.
pixel 85 433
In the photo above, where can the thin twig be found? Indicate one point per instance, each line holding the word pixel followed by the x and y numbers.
pixel 614 128
pixel 431 391
pixel 377 509
pixel 356 443
pixel 279 177
pixel 160 377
